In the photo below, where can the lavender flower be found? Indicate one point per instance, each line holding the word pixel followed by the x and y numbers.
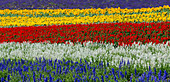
pixel 102 78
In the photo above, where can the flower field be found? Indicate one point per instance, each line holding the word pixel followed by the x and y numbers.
pixel 84 41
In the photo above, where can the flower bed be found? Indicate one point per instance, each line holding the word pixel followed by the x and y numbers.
pixel 116 33
pixel 84 45
pixel 81 4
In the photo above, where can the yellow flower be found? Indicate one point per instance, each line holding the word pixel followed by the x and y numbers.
pixel 168 18
pixel 160 19
pixel 68 13
pixel 160 7
pixel 78 11
pixel 164 19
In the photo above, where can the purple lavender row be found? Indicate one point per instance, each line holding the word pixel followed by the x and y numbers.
pixel 81 4
pixel 131 4
pixel 54 4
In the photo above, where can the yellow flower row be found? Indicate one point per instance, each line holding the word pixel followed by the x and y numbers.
pixel 81 11
pixel 31 21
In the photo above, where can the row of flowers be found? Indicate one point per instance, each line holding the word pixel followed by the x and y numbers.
pixel 54 4
pixel 125 33
pixel 64 4
pixel 34 21
pixel 77 71
pixel 133 4
pixel 80 12
pixel 94 52
pixel 144 55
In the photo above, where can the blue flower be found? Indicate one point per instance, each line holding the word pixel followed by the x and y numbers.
pixel 67 62
pixel 159 75
pixel 105 71
pixel 55 61
pixel 101 64
pixel 2 79
pixel 40 76
pixel 120 65
pixel 155 71
pixel 38 68
pixel 75 63
pixel 149 68
pixel 85 68
pixel 78 80
pixel 80 60
pixel 72 62
pixel 98 78
pixel 8 77
pixel 124 63
pixel 128 63
pixel 60 70
pixel 125 73
pixel 155 79
pixel 39 59
pixel 61 81
pixel 165 75
pixel 63 60
pixel 85 61
pixel 118 74
pixel 106 77
pixel 136 80
pixel 121 74
pixel 34 79
pixel 102 78
pixel 107 64
pixel 50 78
pixel 130 79
pixel 94 72
pixel 57 80
pixel 135 72
pixel 94 79
pixel 147 77
pixel 46 79
pixel 114 78
pixel 75 80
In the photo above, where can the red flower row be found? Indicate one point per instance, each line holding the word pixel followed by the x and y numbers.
pixel 119 33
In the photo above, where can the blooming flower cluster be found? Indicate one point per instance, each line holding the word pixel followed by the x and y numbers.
pixel 116 33
pixel 141 55
pixel 66 70
pixel 94 42
pixel 81 4
pixel 51 17
pixel 79 12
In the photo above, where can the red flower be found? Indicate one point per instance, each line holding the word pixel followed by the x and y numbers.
pixel 121 32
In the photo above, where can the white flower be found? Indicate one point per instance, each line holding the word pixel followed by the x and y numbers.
pixel 139 54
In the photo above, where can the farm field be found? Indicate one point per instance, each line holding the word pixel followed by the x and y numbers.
pixel 85 41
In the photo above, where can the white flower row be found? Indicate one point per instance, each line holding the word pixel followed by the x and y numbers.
pixel 142 55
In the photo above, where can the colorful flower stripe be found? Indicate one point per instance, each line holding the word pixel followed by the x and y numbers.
pixel 106 39
pixel 141 55
pixel 55 4
pixel 112 32
pixel 81 12
pixel 48 70
pixel 81 4
pixel 33 21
